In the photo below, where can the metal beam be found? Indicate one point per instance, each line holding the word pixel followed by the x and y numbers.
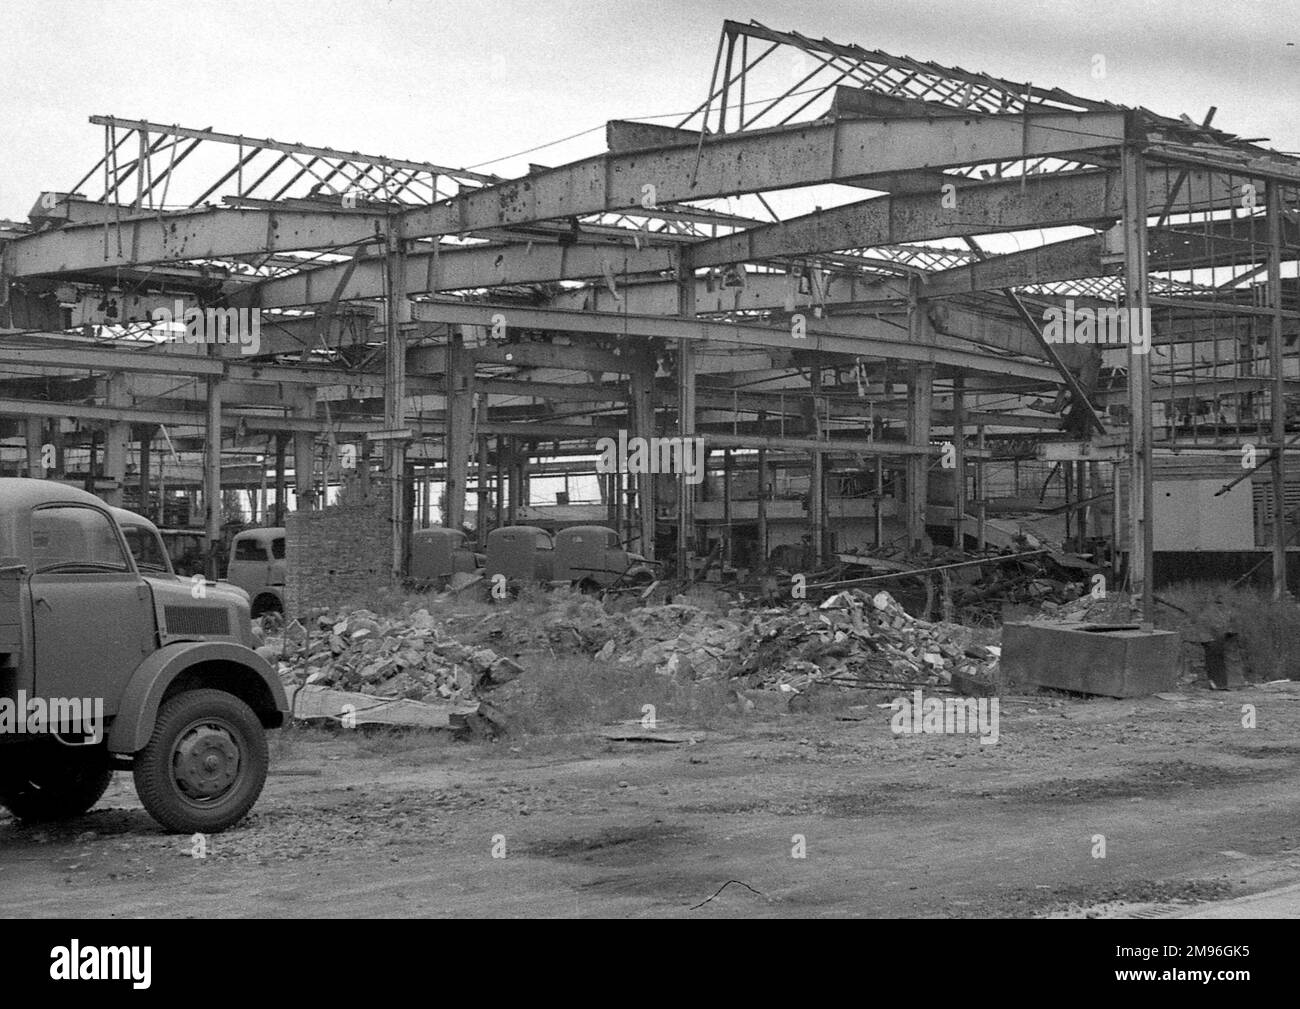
pixel 763 160
pixel 1091 197
pixel 166 359
pixel 212 233
pixel 1044 264
pixel 729 334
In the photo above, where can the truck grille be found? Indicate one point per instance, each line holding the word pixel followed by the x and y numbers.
pixel 196 620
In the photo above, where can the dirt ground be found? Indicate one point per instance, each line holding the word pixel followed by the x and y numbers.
pixel 1193 806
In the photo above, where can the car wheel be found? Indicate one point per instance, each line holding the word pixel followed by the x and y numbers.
pixel 205 764
pixel 61 784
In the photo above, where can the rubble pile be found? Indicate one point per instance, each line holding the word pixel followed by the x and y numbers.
pixel 568 623
pixel 682 641
pixel 853 638
pixel 857 638
pixel 407 657
pixel 580 625
pixel 1048 581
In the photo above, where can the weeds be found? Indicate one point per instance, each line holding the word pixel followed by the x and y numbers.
pixel 1267 630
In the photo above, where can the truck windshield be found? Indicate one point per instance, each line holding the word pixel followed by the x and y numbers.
pixel 145 548
pixel 75 537
pixel 250 550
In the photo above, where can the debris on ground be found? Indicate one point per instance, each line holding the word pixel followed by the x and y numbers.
pixel 407 657
pixel 857 638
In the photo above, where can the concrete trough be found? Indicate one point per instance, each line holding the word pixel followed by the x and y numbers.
pixel 1113 661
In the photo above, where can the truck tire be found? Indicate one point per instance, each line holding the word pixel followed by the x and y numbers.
pixel 61 784
pixel 204 765
pixel 265 603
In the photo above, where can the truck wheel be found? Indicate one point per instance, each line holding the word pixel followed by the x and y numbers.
pixel 265 603
pixel 205 764
pixel 60 785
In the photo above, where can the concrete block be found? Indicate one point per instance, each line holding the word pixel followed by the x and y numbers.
pixel 1090 659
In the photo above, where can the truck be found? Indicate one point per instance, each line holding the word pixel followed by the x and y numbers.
pixel 257 566
pixel 438 553
pixel 589 557
pixel 145 542
pixel 106 666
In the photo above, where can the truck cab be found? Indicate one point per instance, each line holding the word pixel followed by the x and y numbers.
pixel 520 553
pixel 105 666
pixel 438 553
pixel 257 566
pixel 591 557
pixel 145 542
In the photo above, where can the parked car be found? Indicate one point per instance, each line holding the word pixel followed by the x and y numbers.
pixel 256 565
pixel 133 669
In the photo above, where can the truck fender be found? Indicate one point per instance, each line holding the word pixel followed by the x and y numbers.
pixel 133 726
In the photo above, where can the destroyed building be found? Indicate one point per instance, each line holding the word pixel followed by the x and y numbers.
pixel 855 293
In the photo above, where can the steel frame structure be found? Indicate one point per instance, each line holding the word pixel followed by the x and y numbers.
pixel 483 314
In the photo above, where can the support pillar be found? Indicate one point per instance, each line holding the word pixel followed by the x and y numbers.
pixel 816 475
pixel 920 402
pixel 685 410
pixel 304 456
pixel 281 484
pixel 460 442
pixel 727 556
pixel 117 436
pixel 212 478
pixel 146 464
pixel 33 429
pixel 959 444
pixel 761 504
pixel 513 482
pixel 1141 557
pixel 397 314
pixel 641 416
pixel 1274 205
pixel 484 479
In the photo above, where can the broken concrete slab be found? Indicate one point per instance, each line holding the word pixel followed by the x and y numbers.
pixel 316 703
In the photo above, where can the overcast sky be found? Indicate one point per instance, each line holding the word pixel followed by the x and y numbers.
pixel 460 83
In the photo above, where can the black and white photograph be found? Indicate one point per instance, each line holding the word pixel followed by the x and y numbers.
pixel 651 460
